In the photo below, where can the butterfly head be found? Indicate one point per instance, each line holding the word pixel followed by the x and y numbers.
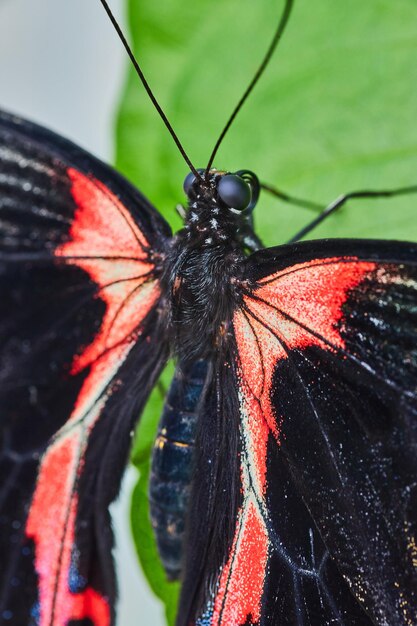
pixel 220 204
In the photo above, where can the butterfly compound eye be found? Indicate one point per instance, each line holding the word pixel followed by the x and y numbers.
pixel 188 183
pixel 234 192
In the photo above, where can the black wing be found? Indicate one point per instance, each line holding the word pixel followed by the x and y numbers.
pixel 324 476
pixel 80 337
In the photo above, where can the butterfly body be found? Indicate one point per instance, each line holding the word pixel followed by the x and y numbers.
pixel 201 290
pixel 173 462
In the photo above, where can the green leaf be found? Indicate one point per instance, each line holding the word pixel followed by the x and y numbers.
pixel 334 112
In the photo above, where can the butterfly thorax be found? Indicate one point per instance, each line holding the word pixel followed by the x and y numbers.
pixel 202 290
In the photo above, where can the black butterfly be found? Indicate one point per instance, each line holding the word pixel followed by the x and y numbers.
pixel 297 375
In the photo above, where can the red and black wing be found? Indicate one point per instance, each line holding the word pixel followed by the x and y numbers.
pixel 324 388
pixel 80 348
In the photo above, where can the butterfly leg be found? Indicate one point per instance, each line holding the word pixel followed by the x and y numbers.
pixel 182 211
pixel 250 240
pixel 339 202
pixel 285 197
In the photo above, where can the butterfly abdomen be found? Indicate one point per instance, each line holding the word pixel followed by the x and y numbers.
pixel 172 464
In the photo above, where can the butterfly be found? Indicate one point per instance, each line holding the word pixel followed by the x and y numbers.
pixel 302 505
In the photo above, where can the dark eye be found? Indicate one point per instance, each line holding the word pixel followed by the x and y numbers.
pixel 189 181
pixel 234 192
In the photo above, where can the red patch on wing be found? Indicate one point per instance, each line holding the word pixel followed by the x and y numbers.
pixel 51 525
pixel 313 294
pixel 242 579
pixel 107 244
pixel 295 308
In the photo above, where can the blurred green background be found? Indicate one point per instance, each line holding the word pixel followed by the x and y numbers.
pixel 334 112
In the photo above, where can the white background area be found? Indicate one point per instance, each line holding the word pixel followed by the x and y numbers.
pixel 62 66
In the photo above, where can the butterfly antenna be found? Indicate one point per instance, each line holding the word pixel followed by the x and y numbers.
pixel 275 40
pixel 148 89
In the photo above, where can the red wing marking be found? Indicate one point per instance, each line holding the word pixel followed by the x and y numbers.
pixel 103 226
pixel 313 295
pixel 242 579
pixel 258 353
pixel 292 309
pixel 107 244
pixel 51 525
